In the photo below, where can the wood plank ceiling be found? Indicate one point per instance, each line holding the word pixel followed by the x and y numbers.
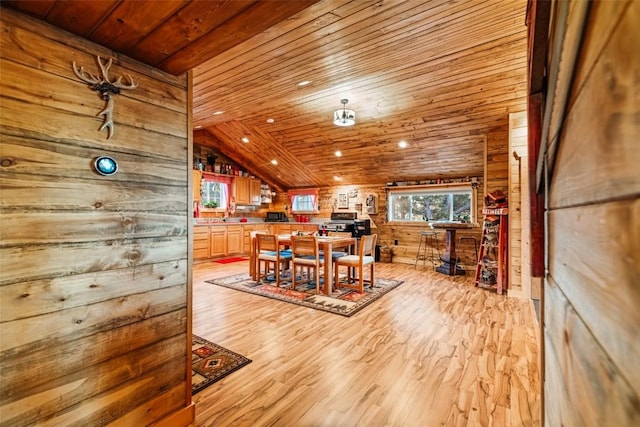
pixel 437 74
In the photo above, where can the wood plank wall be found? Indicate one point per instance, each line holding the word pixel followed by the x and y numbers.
pixel 592 292
pixel 93 270
pixel 519 260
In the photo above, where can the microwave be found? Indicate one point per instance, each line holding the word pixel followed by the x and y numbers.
pixel 276 217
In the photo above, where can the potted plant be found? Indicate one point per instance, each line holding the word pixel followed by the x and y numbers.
pixel 210 204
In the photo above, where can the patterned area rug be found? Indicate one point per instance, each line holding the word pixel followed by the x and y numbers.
pixel 211 363
pixel 344 301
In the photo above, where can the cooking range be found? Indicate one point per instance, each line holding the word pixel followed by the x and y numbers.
pixel 348 222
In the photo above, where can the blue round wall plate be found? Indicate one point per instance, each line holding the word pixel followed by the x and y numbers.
pixel 106 165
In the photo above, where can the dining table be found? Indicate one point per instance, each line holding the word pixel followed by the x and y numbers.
pixel 327 244
pixel 450 257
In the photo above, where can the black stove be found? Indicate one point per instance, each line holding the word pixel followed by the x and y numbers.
pixel 341 221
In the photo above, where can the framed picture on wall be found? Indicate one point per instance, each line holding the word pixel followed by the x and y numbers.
pixel 343 201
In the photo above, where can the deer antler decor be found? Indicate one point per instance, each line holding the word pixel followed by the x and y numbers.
pixel 106 87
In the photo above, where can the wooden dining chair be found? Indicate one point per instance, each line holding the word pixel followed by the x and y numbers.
pixel 365 256
pixel 269 253
pixel 305 254
pixel 339 253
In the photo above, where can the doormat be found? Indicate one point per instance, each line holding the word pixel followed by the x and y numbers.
pixel 230 260
pixel 344 301
pixel 211 362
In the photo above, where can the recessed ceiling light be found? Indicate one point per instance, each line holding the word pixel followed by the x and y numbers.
pixel 245 139
pixel 338 153
pixel 218 112
pixel 199 127
pixel 337 178
pixel 274 162
pixel 304 82
pixel 270 120
pixel 403 144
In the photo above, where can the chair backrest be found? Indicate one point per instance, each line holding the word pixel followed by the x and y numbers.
pixel 304 246
pixel 368 244
pixel 340 233
pixel 267 242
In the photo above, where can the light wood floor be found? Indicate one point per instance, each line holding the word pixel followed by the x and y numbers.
pixel 432 352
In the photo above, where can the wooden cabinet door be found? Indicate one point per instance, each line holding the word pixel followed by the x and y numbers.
pixel 282 228
pixel 254 191
pixel 218 241
pixel 242 190
pixel 200 242
pixel 197 182
pixel 234 239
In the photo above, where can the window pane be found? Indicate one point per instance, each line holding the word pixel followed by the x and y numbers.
pixel 462 207
pixel 431 206
pixel 437 207
pixel 401 207
pixel 303 204
pixel 213 195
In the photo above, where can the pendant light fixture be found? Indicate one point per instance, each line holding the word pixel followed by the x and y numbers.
pixel 344 117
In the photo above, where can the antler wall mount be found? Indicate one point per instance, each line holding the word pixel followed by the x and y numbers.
pixel 107 89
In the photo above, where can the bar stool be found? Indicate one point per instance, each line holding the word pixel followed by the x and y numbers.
pixel 466 238
pixel 428 239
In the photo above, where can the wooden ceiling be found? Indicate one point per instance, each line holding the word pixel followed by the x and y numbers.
pixel 437 74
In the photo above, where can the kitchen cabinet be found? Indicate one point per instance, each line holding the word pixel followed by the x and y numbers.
pixel 234 239
pixel 200 242
pixel 242 188
pixel 254 191
pixel 246 235
pixel 218 239
pixel 197 182
pixel 247 191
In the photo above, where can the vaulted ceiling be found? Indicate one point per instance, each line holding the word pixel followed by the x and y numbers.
pixel 437 74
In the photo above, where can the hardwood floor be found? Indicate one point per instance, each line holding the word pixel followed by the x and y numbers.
pixel 432 352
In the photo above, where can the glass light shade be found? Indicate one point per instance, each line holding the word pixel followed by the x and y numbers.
pixel 344 117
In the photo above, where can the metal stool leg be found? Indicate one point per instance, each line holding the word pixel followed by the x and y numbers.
pixel 426 248
pixel 418 253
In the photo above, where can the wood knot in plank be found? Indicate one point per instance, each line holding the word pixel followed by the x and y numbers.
pixel 7 162
pixel 133 255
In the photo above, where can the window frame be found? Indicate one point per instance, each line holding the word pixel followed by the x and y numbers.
pixel 220 180
pixel 435 189
pixel 305 192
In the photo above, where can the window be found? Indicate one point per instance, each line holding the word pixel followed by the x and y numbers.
pixel 214 192
pixel 305 200
pixel 433 204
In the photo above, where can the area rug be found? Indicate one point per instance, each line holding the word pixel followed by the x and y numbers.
pixel 230 260
pixel 211 362
pixel 344 301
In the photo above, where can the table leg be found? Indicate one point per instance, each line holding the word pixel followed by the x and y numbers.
pixel 328 276
pixel 450 255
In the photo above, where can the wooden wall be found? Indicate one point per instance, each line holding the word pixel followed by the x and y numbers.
pixel 93 270
pixel 519 242
pixel 592 291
